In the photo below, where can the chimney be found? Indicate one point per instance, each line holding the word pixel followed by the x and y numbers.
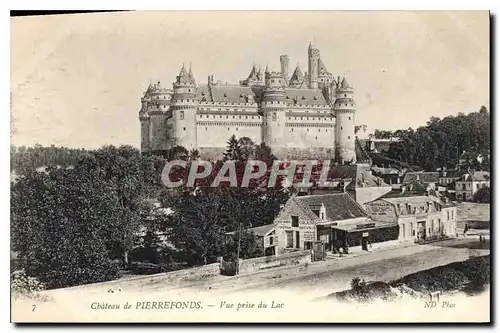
pixel 210 80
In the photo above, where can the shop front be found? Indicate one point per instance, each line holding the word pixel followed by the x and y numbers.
pixel 363 234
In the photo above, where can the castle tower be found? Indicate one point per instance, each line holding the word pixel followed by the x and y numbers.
pixel 284 60
pixel 345 109
pixel 273 110
pixel 313 57
pixel 153 114
pixel 184 111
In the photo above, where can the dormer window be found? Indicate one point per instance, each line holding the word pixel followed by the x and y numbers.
pixel 303 97
pixel 315 98
pixel 225 95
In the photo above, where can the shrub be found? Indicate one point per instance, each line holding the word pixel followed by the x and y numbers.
pixel 23 285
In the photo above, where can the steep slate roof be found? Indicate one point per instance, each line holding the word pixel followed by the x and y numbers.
pixel 203 92
pixel 305 96
pixel 339 206
pixel 230 93
pixel 424 177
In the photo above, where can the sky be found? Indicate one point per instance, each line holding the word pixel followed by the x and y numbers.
pixel 77 80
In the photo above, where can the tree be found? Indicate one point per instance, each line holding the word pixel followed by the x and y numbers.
pixel 61 223
pixel 247 147
pixel 233 151
pixel 442 141
pixel 482 195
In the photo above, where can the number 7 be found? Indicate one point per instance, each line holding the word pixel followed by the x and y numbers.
pixel 34 306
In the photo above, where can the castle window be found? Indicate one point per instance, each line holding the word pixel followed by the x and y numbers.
pixel 233 117
pixel 316 138
pixel 246 117
pixel 292 129
pixel 225 95
pixel 240 117
pixel 345 95
pixel 303 97
pixel 274 116
pixel 182 100
pixel 206 128
pixel 272 81
pixel 227 117
pixel 182 115
pixel 348 137
pixel 349 118
pixel 319 130
pixel 346 105
pixel 220 116
pixel 184 128
pixel 252 117
pixel 236 128
pixel 228 129
pixel 341 128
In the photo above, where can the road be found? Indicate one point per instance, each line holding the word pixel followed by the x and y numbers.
pixel 336 274
pixel 296 288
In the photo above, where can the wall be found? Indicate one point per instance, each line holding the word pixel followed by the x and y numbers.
pixel 289 259
pixel 381 211
pixel 306 227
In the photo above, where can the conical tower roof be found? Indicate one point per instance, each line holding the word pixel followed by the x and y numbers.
pixel 321 67
pixel 344 84
pixel 183 76
pixel 297 74
pixel 191 75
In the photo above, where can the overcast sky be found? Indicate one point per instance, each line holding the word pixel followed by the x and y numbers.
pixel 77 80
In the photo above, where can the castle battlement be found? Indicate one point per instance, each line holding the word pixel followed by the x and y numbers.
pixel 301 115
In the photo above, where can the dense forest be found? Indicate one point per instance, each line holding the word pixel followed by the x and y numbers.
pixel 442 141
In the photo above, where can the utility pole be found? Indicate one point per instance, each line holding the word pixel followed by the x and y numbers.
pixel 238 253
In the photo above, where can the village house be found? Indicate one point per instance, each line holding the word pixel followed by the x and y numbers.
pixel 469 183
pixel 420 218
pixel 428 179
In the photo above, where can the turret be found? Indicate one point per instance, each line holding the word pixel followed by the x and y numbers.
pixel 313 57
pixel 284 60
pixel 273 109
pixel 184 110
pixel 345 109
pixel 154 111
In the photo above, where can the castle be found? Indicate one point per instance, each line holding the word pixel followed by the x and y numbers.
pixel 305 115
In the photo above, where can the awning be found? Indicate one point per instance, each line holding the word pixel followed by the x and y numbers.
pixel 366 226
